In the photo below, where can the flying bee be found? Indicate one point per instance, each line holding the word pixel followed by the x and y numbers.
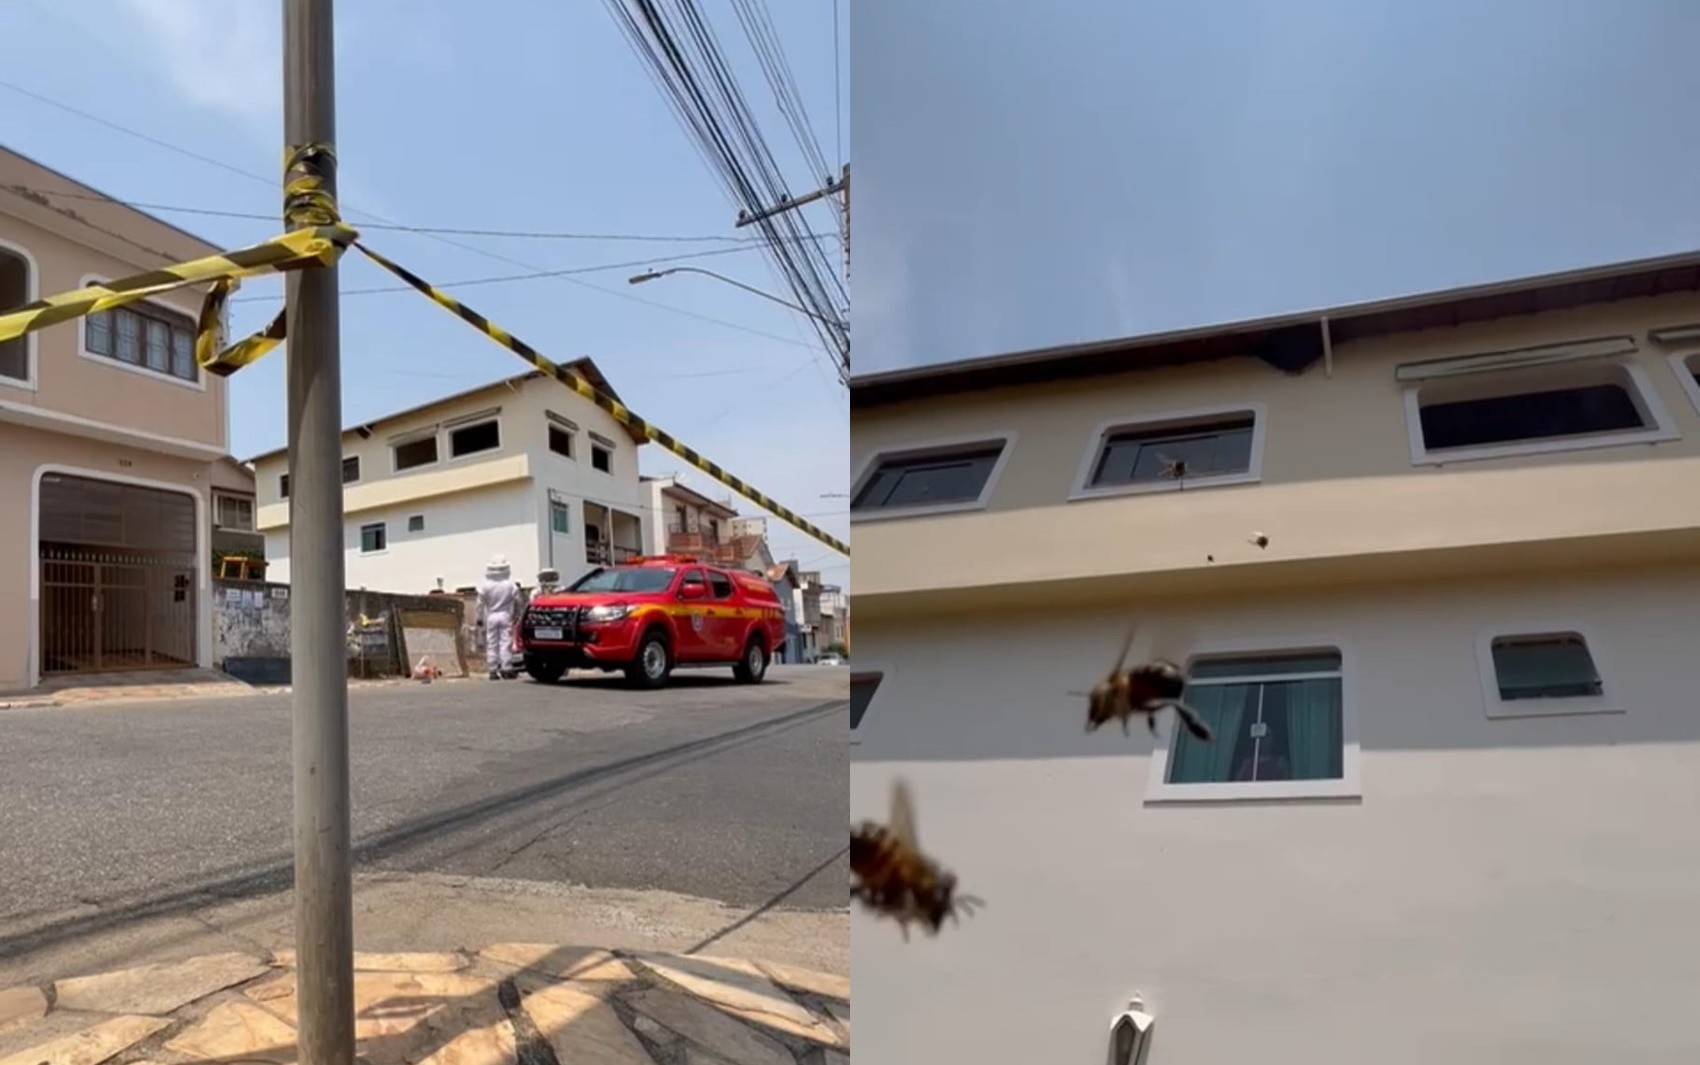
pixel 1174 469
pixel 894 877
pixel 1144 689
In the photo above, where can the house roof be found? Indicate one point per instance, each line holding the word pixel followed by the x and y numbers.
pixel 585 367
pixel 1291 342
pixel 92 191
pixel 778 570
pixel 679 490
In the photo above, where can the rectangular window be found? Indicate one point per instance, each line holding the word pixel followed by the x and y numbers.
pixel 146 336
pixel 416 453
pixel 283 486
pixel 560 519
pixel 720 583
pixel 351 469
pixel 957 475
pixel 601 458
pixel 15 285
pixel 416 523
pixel 372 538
pixel 1274 717
pixel 472 439
pixel 561 441
pixel 1543 409
pixel 236 513
pixel 1547 666
pixel 1204 448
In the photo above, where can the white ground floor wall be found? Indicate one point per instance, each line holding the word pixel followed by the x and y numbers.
pixel 1499 890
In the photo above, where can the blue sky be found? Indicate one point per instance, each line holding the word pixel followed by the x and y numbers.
pixel 1030 175
pixel 529 116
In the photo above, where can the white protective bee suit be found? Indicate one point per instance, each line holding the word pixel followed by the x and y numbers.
pixel 498 601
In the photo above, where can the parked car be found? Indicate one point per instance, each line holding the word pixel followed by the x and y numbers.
pixel 650 616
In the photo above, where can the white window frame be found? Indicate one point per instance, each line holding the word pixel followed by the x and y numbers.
pixel 32 292
pixel 199 384
pixel 886 669
pixel 410 529
pixel 1679 364
pixel 361 541
pixel 549 509
pixel 445 451
pixel 1158 790
pixel 597 440
pixel 565 425
pixel 921 448
pixel 253 517
pixel 1498 709
pixel 1178 419
pixel 1642 393
pixel 359 469
pixel 403 439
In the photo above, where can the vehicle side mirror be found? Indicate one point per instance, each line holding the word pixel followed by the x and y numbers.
pixel 693 590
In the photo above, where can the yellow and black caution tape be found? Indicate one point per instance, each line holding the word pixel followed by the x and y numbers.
pixel 617 410
pixel 308 203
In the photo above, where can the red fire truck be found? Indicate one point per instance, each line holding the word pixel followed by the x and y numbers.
pixel 650 616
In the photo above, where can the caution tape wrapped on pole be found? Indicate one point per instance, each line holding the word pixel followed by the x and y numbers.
pixel 318 237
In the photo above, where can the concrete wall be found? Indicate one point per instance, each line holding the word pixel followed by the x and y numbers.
pixel 1337 482
pixel 1507 891
pixel 24 455
pixel 252 640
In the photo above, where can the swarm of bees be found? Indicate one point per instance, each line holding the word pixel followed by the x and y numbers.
pixel 1145 689
pixel 895 878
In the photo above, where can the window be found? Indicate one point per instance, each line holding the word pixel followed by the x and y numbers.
pixel 1686 365
pixel 145 336
pixel 16 289
pixel 713 531
pixel 722 584
pixel 471 439
pixel 681 519
pixel 1279 729
pixel 413 454
pixel 1174 451
pixel 416 523
pixel 235 513
pixel 283 486
pixel 560 518
pixel 372 538
pixel 1537 673
pixel 692 577
pixel 601 457
pixel 351 469
pixel 863 685
pixel 953 476
pixel 561 441
pixel 1548 408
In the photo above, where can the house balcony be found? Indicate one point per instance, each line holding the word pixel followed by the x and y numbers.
pixel 698 544
pixel 611 536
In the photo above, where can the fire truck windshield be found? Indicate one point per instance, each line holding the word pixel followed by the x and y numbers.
pixel 645 579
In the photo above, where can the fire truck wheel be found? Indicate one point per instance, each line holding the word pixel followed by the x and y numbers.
pixel 653 663
pixel 753 666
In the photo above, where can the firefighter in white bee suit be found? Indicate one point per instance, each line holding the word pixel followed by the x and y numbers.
pixel 498 600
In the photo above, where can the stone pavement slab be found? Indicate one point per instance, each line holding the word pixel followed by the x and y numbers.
pixel 498 1006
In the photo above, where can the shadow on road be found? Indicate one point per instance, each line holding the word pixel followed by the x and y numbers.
pixel 769 904
pixel 240 882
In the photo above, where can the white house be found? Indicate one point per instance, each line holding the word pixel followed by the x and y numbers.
pixel 522 467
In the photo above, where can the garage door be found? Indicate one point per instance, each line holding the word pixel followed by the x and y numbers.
pixel 117 577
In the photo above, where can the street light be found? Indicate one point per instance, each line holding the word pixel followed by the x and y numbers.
pixel 654 274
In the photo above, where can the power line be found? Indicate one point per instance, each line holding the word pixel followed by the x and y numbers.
pixel 837 88
pixel 274 184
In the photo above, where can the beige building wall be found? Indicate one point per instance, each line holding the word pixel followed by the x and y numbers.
pixel 25 455
pixel 1517 892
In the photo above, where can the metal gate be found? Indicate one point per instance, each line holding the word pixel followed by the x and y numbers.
pixel 118 589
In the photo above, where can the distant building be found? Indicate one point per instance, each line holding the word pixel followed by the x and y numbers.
pixel 684 521
pixel 233 528
pixel 523 467
pixel 788 585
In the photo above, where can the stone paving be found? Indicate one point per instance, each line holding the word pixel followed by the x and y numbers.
pixel 510 1003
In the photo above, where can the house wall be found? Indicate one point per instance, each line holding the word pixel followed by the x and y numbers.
pixel 486 502
pixel 24 455
pixel 1338 485
pixel 95 388
pixel 1508 891
pixel 461 532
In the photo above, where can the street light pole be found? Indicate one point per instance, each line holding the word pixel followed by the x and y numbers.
pixel 652 275
pixel 324 910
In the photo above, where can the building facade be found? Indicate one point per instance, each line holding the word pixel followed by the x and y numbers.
pixel 524 467
pixel 684 521
pixel 109 433
pixel 1432 569
pixel 233 529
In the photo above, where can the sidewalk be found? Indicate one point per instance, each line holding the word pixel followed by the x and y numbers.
pixel 500 1005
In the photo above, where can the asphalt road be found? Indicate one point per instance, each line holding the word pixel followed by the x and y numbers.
pixel 707 788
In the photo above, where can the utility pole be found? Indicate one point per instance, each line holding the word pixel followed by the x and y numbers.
pixel 324 905
pixel 839 188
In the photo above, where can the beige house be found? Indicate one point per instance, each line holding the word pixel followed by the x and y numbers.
pixel 684 521
pixel 109 433
pixel 1433 566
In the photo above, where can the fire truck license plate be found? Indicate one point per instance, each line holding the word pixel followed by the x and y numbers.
pixel 548 634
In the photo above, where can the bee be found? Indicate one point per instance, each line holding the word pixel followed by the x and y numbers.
pixel 1144 689
pixel 1174 469
pixel 894 877
pixel 1258 539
